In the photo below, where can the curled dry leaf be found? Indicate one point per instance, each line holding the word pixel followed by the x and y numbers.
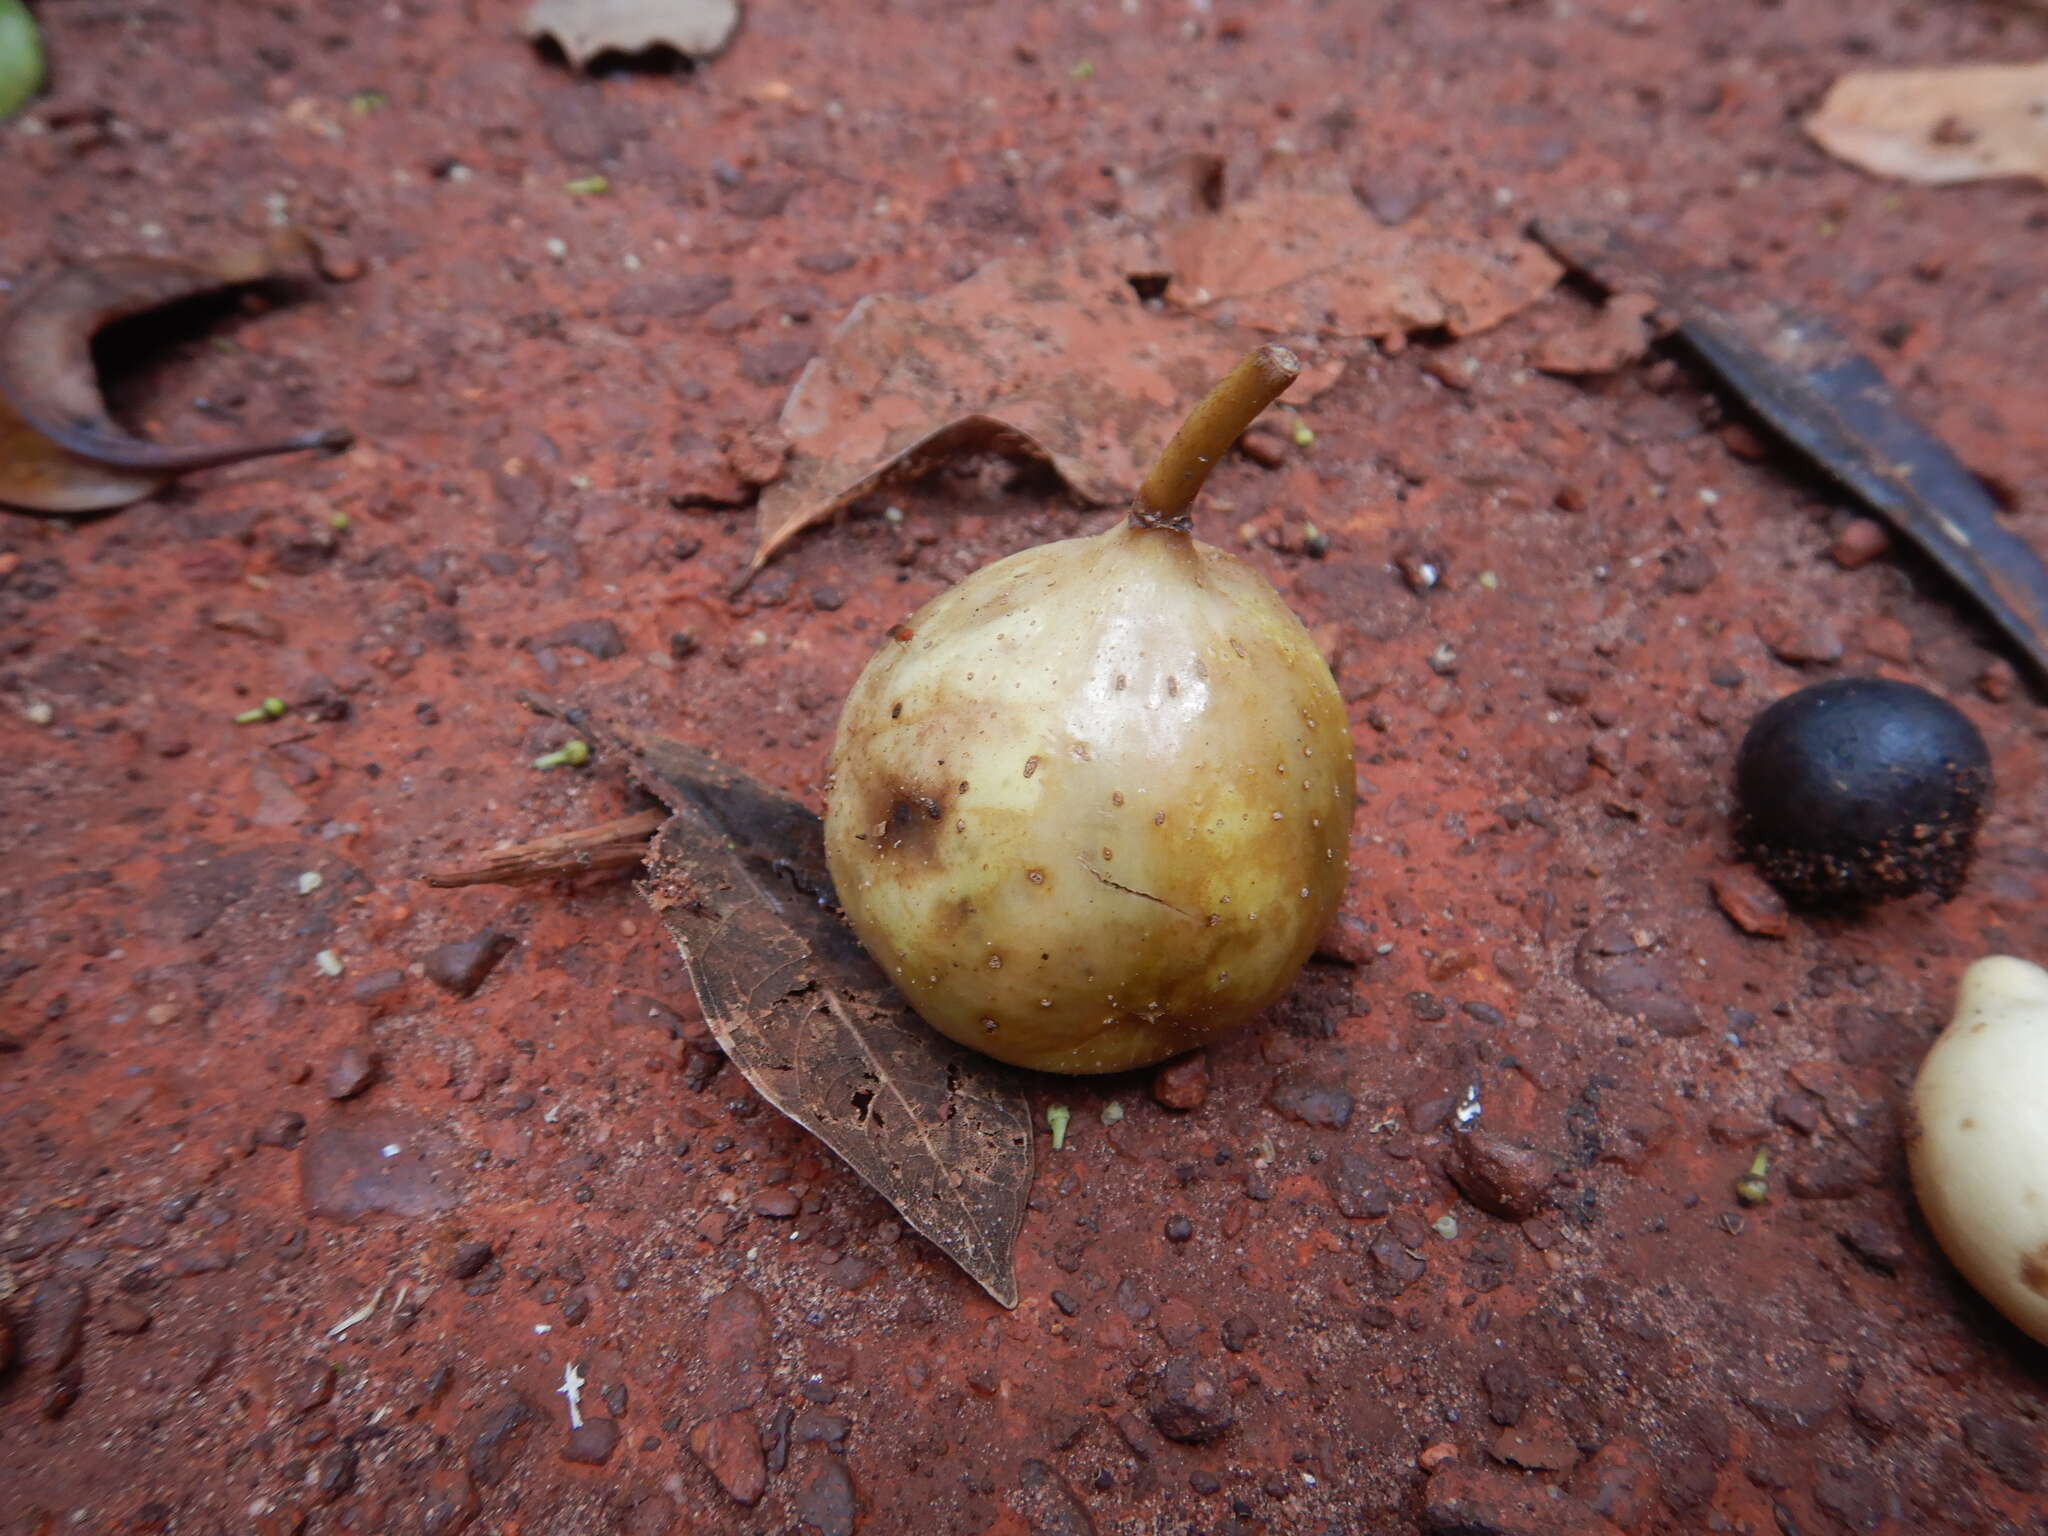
pixel 583 29
pixel 1304 261
pixel 37 475
pixel 1052 360
pixel 737 876
pixel 1967 122
pixel 60 451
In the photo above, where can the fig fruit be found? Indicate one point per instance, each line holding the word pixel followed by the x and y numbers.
pixel 1091 807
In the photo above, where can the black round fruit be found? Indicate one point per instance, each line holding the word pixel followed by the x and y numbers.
pixel 1860 790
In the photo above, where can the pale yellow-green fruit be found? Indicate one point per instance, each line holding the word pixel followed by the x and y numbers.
pixel 1092 806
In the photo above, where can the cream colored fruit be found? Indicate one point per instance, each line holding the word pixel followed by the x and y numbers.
pixel 1092 806
pixel 1978 1144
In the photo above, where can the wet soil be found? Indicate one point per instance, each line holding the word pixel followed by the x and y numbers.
pixel 291 1250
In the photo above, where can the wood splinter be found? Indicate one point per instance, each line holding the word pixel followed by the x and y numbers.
pixel 611 845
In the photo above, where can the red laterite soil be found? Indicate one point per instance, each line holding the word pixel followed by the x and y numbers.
pixel 194 1115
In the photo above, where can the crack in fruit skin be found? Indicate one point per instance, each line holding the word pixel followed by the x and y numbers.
pixel 1136 702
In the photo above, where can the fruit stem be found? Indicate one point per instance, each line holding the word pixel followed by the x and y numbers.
pixel 1209 432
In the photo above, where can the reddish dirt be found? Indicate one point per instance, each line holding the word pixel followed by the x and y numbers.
pixel 535 374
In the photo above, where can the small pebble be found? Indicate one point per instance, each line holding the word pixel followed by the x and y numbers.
pixel 122 1316
pixel 1750 902
pixel 1190 1402
pixel 1500 1176
pixel 1266 449
pixel 353 1069
pixel 337 258
pixel 1801 641
pixel 1861 541
pixel 1184 1083
pixel 461 967
pixel 594 637
pixel 593 1444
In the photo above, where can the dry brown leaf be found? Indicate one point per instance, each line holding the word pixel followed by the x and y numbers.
pixel 1051 360
pixel 583 29
pixel 1967 122
pixel 738 878
pixel 59 449
pixel 1302 261
pixel 1606 342
pixel 37 475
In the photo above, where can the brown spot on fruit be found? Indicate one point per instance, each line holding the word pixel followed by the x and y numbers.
pixel 953 918
pixel 2034 1270
pixel 907 820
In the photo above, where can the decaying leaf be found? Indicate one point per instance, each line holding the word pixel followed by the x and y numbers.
pixel 1304 261
pixel 1965 122
pixel 59 449
pixel 1053 360
pixel 21 58
pixel 583 29
pixel 738 878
